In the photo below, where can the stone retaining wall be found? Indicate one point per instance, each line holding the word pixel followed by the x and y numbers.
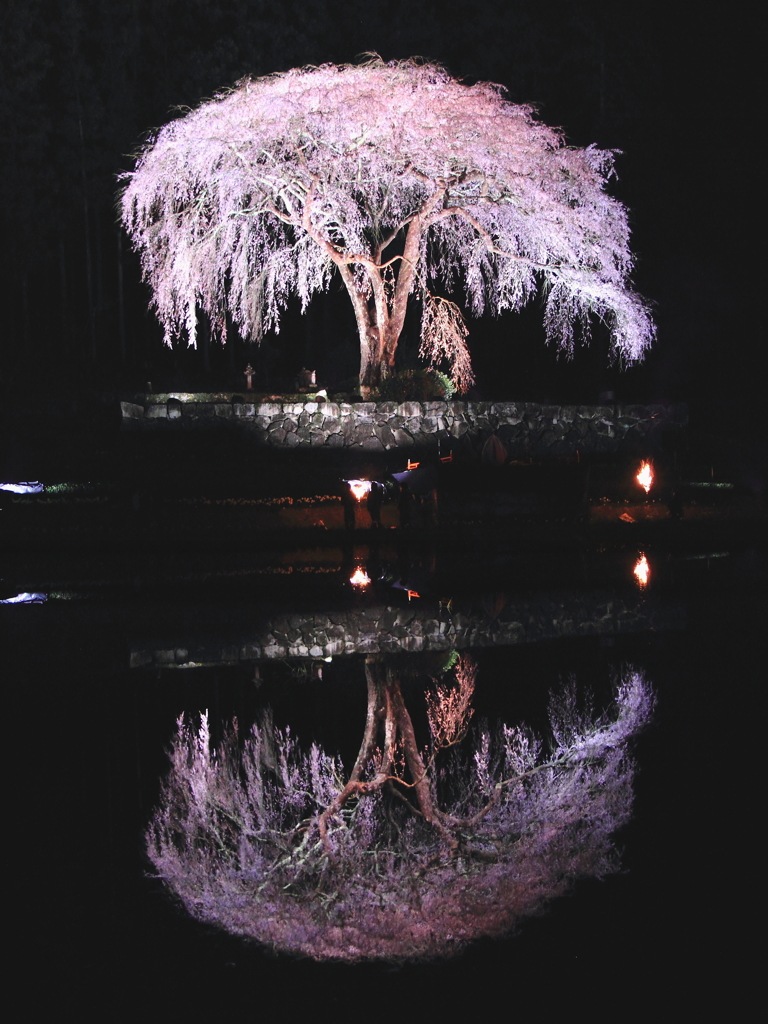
pixel 523 427
pixel 390 629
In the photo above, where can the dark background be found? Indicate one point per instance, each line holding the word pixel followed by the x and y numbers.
pixel 84 81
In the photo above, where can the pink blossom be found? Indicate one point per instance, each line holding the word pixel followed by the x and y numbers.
pixel 398 177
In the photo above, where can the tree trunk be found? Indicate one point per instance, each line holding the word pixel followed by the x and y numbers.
pixel 380 320
pixel 370 364
pixel 387 711
pixel 378 350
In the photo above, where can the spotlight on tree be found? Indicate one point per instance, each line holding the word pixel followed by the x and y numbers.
pixel 359 488
pixel 642 571
pixel 645 476
pixel 360 578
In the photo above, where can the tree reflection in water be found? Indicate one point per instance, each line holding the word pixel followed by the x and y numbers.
pixel 418 851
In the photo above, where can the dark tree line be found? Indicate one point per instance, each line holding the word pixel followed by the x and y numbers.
pixel 85 80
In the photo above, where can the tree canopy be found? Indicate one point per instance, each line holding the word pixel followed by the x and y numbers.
pixel 402 179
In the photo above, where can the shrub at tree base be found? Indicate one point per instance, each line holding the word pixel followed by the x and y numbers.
pixel 424 385
pixel 271 843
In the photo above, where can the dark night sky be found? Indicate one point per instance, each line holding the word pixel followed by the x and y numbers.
pixel 85 79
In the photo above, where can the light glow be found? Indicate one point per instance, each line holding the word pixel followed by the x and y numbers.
pixel 645 476
pixel 25 487
pixel 359 577
pixel 642 571
pixel 359 488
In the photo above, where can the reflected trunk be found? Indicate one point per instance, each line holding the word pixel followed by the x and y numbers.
pixel 388 728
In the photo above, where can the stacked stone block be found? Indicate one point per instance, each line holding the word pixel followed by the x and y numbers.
pixel 525 428
pixel 390 629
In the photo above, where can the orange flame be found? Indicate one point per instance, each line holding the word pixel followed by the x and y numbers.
pixel 642 571
pixel 359 577
pixel 645 476
pixel 359 488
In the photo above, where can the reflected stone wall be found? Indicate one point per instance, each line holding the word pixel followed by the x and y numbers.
pixel 388 629
pixel 526 428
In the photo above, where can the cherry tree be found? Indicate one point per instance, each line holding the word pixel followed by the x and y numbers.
pixel 401 179
pixel 417 851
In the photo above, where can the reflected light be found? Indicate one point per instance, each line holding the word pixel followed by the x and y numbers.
pixel 359 577
pixel 359 488
pixel 25 487
pixel 642 571
pixel 645 476
pixel 25 598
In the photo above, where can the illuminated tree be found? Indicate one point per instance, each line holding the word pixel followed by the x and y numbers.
pixel 398 177
pixel 406 858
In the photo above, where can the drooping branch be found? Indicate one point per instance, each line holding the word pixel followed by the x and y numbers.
pixel 443 337
pixel 486 236
pixel 449 707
